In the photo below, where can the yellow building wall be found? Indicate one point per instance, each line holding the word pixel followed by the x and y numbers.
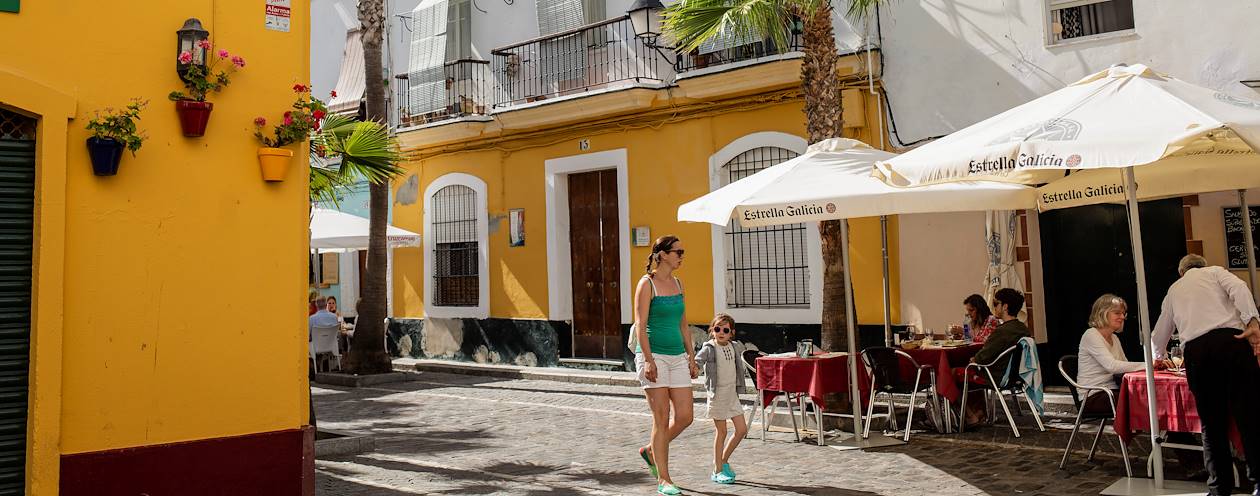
pixel 169 299
pixel 667 166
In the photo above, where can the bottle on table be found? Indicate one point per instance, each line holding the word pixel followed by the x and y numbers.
pixel 966 332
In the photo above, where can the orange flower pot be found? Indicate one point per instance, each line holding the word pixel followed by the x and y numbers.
pixel 274 163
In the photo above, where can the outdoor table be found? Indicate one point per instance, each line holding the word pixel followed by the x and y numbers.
pixel 816 377
pixel 944 361
pixel 1175 407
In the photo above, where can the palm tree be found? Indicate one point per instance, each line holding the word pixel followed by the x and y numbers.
pixel 692 22
pixel 367 353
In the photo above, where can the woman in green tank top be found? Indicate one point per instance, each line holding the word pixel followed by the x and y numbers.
pixel 664 355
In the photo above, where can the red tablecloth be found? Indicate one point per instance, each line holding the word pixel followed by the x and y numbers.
pixel 1174 405
pixel 944 361
pixel 814 376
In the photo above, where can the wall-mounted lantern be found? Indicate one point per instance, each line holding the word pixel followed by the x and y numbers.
pixel 645 17
pixel 189 39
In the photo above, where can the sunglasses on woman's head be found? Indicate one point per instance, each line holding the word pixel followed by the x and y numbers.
pixel 723 330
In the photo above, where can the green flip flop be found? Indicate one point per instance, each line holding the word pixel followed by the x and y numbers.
pixel 647 458
pixel 667 489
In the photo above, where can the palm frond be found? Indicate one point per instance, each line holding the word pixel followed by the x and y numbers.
pixel 859 9
pixel 693 22
pixel 365 150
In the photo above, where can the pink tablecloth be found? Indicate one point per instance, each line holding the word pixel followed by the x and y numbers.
pixel 813 376
pixel 1174 405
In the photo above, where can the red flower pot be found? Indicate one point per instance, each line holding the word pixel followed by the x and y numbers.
pixel 193 117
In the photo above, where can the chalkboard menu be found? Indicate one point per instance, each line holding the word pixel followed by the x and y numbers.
pixel 1235 242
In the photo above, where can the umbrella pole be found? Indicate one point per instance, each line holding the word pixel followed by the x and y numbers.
pixel 1144 315
pixel 1250 246
pixel 883 237
pixel 855 394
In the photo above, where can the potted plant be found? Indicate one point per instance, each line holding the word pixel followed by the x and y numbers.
pixel 298 123
pixel 113 131
pixel 199 80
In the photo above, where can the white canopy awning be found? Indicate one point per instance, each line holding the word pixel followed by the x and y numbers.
pixel 832 180
pixel 350 82
pixel 338 231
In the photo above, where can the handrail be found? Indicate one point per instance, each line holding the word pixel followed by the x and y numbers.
pixel 578 30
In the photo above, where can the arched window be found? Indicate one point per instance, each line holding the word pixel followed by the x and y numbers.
pixel 766 267
pixel 455 235
pixel 455 247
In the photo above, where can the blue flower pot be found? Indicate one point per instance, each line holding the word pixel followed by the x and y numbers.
pixel 105 153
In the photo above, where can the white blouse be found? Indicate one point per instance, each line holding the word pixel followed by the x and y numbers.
pixel 1098 363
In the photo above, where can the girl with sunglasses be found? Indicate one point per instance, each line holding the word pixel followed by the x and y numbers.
pixel 725 378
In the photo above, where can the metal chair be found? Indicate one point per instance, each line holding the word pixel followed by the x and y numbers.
pixel 1068 368
pixel 883 364
pixel 1012 384
pixel 781 397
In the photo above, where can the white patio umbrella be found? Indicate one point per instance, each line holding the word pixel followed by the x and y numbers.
pixel 334 231
pixel 1113 131
pixel 832 180
pixel 338 231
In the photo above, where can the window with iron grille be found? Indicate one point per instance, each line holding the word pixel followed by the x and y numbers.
pixel 455 247
pixel 1077 19
pixel 768 266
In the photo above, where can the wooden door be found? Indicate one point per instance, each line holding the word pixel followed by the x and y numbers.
pixel 594 244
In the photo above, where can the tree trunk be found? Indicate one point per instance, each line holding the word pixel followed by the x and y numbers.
pixel 823 110
pixel 367 351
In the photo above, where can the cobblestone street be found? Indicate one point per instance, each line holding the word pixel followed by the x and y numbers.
pixel 452 434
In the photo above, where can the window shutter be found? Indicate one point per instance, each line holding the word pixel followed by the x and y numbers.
pixel 330 268
pixel 17 198
pixel 426 80
pixel 555 16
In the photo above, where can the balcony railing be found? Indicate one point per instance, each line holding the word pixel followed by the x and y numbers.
pixel 729 51
pixel 602 55
pixel 462 88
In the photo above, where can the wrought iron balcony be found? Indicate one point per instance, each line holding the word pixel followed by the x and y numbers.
pixel 597 56
pixel 730 50
pixel 461 88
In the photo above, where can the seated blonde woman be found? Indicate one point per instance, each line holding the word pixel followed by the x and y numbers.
pixel 1100 358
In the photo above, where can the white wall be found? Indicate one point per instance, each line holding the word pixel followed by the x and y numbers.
pixel 942 260
pixel 951 63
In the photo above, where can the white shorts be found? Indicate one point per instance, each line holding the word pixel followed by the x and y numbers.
pixel 671 371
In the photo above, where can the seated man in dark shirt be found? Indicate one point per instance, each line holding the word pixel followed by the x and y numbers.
pixel 1006 305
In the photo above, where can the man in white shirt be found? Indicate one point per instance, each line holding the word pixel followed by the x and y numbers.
pixel 321 318
pixel 1215 314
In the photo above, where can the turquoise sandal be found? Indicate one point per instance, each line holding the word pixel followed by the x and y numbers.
pixel 647 458
pixel 722 478
pixel 730 472
pixel 667 489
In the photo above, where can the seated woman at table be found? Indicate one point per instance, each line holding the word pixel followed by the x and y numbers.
pixel 1100 359
pixel 979 317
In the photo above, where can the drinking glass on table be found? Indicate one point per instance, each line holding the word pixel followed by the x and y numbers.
pixel 1177 355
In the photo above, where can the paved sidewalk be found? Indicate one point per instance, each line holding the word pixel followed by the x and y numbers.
pixel 461 434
